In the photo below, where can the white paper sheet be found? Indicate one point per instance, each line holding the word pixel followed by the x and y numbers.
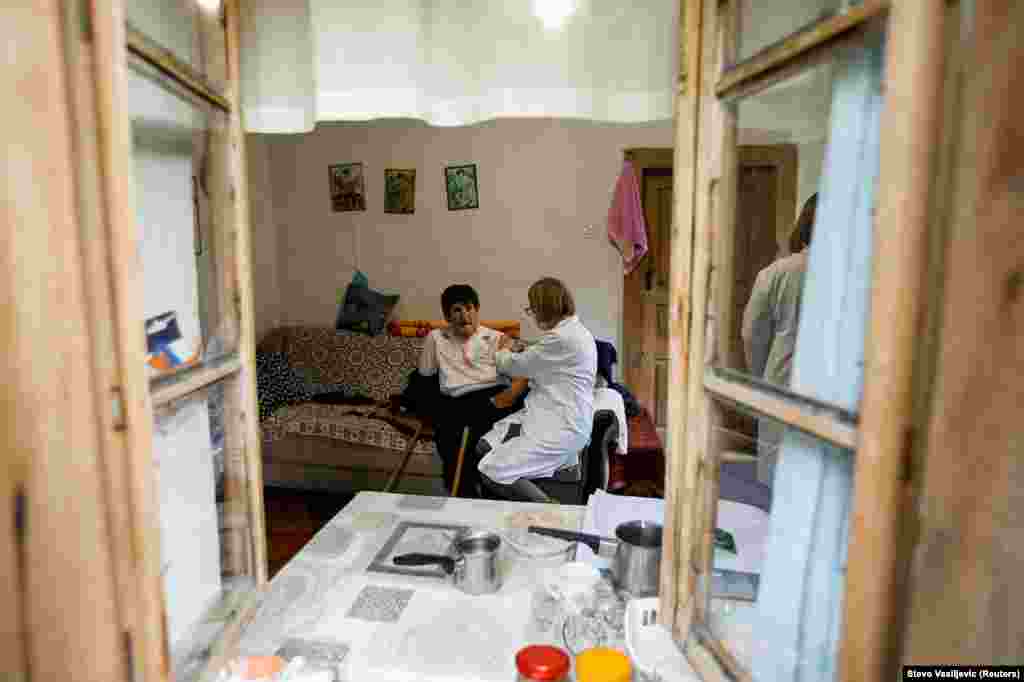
pixel 605 512
pixel 748 525
pixel 749 528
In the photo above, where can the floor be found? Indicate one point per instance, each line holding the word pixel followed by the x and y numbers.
pixel 293 517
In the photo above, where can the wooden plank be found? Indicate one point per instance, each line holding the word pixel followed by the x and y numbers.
pixel 930 335
pixel 684 55
pixel 820 423
pixel 709 474
pixel 972 505
pixel 909 126
pixel 213 641
pixel 722 168
pixel 397 473
pixel 720 653
pixel 765 67
pixel 225 647
pixel 70 622
pixel 705 664
pixel 216 165
pixel 244 293
pixel 723 237
pixel 171 66
pixel 733 456
pixel 650 157
pixel 14 634
pixel 195 380
pixel 676 580
pixel 149 640
pixel 100 310
pixel 692 491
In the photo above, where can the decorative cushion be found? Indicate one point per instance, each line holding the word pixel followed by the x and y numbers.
pixel 277 383
pixel 365 310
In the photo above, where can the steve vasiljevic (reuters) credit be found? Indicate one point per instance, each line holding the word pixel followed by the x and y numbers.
pixel 963 672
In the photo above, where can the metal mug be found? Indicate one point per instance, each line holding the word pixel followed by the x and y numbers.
pixel 635 553
pixel 638 557
pixel 473 563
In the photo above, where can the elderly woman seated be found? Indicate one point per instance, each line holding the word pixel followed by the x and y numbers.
pixel 474 393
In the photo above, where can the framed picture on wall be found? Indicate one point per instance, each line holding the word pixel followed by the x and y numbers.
pixel 460 183
pixel 399 190
pixel 348 191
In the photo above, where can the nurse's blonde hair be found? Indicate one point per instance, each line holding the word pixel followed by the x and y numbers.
pixel 550 301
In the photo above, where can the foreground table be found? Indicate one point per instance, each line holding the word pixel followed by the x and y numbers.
pixel 337 592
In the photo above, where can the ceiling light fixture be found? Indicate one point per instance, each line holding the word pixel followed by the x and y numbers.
pixel 554 13
pixel 210 6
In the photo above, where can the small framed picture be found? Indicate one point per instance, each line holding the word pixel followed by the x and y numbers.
pixel 460 183
pixel 399 190
pixel 348 191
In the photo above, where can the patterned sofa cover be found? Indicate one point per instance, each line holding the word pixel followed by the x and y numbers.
pixel 314 445
pixel 320 446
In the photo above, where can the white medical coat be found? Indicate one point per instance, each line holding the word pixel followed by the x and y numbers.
pixel 559 412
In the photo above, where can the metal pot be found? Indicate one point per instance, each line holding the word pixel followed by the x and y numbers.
pixel 473 563
pixel 635 553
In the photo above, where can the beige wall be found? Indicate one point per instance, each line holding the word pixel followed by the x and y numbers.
pixel 266 287
pixel 542 182
pixel 812 159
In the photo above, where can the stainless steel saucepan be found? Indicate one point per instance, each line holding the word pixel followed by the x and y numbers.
pixel 635 552
pixel 473 562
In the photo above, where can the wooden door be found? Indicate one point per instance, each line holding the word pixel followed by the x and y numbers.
pixel 754 241
pixel 765 214
pixel 657 193
pixel 645 305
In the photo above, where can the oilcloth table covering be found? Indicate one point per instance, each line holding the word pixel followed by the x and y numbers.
pixel 399 627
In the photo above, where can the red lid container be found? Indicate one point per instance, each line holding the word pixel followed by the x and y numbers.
pixel 542 663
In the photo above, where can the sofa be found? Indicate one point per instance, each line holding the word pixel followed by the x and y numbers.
pixel 334 446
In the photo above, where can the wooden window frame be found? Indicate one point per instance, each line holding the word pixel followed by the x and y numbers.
pixel 705 199
pixel 111 43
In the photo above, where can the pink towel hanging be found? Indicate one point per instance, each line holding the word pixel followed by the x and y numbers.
pixel 626 227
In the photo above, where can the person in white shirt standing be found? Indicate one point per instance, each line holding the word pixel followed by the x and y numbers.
pixel 558 416
pixel 473 393
pixel 770 322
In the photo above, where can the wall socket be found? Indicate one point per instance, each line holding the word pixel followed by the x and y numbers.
pixel 590 231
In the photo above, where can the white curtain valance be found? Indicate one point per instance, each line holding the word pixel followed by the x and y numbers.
pixel 456 62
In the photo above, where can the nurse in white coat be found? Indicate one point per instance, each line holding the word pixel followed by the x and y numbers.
pixel 555 424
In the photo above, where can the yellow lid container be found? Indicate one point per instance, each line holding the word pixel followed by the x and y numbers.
pixel 603 665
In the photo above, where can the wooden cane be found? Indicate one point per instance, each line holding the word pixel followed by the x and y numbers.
pixel 397 473
pixel 458 462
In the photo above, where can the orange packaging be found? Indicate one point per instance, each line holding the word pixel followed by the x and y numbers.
pixel 257 668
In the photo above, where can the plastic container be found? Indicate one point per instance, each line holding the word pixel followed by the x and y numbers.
pixel 603 665
pixel 257 668
pixel 542 663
